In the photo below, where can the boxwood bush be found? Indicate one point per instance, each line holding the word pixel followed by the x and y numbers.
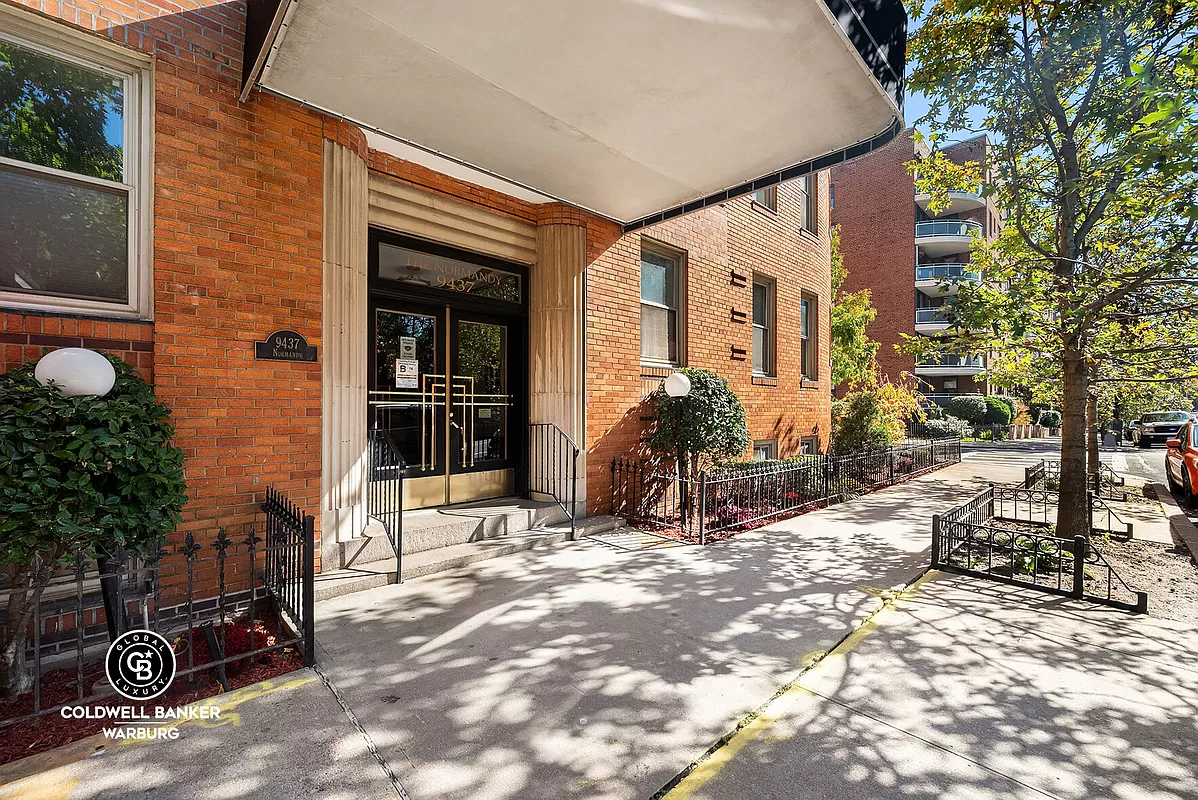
pixel 971 408
pixel 997 412
pixel 948 428
pixel 1050 418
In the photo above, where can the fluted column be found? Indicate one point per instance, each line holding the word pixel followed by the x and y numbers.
pixel 343 373
pixel 555 330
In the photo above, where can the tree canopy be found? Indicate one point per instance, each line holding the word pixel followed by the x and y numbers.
pixel 1091 108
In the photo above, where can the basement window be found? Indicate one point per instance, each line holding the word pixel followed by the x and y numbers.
pixel 75 168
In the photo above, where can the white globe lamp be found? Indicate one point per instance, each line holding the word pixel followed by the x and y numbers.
pixel 678 385
pixel 76 371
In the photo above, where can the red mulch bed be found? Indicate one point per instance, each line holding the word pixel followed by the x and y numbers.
pixel 60 686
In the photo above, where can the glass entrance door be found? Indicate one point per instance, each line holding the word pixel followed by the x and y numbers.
pixel 442 390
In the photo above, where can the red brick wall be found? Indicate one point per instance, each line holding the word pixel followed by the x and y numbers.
pixel 736 236
pixel 237 255
pixel 875 212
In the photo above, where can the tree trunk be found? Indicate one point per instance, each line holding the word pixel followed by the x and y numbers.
pixel 15 678
pixel 1092 438
pixel 1073 516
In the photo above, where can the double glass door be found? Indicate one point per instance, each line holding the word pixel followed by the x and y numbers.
pixel 443 392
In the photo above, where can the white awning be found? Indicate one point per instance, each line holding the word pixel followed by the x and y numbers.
pixel 629 108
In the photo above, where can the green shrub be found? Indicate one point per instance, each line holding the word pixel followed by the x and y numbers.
pixel 860 424
pixel 707 425
pixel 997 412
pixel 1050 418
pixel 1011 403
pixel 948 427
pixel 78 473
pixel 971 408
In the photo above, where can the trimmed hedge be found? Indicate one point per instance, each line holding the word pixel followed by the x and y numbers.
pixel 997 412
pixel 969 407
pixel 948 428
pixel 1050 418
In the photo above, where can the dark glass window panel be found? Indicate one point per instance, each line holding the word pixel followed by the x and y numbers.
pixel 413 268
pixel 61 238
pixel 59 114
pixel 761 304
pixel 482 399
pixel 658 279
pixel 405 411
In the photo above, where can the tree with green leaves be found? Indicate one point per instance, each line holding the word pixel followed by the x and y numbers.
pixel 853 352
pixel 90 474
pixel 1091 108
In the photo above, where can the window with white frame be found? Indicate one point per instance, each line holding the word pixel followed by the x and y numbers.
pixel 763 326
pixel 74 172
pixel 807 205
pixel 808 338
pixel 661 281
pixel 809 445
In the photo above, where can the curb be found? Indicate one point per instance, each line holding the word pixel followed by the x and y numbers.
pixel 861 627
pixel 1179 524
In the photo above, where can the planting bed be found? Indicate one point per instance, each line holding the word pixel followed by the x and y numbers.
pixel 61 686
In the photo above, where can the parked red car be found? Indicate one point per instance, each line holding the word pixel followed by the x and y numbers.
pixel 1181 461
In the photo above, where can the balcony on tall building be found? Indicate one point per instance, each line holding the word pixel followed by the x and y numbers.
pixel 951 365
pixel 943 237
pixel 934 319
pixel 936 280
pixel 958 203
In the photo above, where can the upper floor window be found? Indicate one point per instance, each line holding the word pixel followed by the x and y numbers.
pixel 660 290
pixel 807 205
pixel 74 173
pixel 767 197
pixel 763 326
pixel 808 338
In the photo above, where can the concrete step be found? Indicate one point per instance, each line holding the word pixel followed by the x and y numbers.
pixel 372 574
pixel 434 528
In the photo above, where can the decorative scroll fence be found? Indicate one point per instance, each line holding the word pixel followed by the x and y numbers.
pixel 743 496
pixel 1106 483
pixel 227 601
pixel 976 539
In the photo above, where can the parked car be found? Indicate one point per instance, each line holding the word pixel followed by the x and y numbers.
pixel 1130 430
pixel 1159 427
pixel 1181 461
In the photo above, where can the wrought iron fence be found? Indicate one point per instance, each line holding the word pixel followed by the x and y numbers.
pixel 1020 504
pixel 740 496
pixel 553 467
pixel 384 489
pixel 229 601
pixel 973 539
pixel 1106 483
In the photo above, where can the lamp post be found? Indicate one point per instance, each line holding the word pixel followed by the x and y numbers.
pixel 678 386
pixel 77 372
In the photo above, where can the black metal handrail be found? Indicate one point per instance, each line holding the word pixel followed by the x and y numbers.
pixel 384 490
pixel 553 467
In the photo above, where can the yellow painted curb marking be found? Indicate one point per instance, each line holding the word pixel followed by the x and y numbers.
pixel 778 706
pixel 50 784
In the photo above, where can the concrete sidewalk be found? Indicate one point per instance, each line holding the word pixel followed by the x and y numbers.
pixel 594 672
pixel 968 689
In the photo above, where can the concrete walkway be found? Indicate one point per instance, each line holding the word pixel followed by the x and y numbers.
pixel 967 689
pixel 604 668
pixel 595 672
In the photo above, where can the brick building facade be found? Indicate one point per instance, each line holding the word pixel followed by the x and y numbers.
pixel 256 219
pixel 908 258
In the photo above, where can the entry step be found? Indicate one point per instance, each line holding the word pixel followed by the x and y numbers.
pixel 381 572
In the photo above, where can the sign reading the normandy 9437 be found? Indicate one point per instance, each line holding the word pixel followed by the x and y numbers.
pixel 285 346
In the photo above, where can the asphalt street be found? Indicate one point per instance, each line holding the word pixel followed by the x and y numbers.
pixel 1141 465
